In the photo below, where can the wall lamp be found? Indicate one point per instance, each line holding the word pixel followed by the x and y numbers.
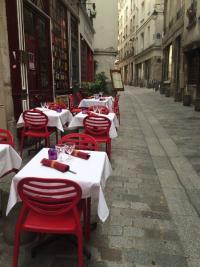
pixel 86 3
pixel 155 13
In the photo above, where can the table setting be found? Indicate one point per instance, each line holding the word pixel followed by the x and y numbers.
pixel 56 117
pixel 9 159
pixel 90 173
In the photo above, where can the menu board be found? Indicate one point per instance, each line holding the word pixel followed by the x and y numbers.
pixel 116 78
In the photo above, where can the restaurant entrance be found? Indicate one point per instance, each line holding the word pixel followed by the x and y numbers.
pixel 38 52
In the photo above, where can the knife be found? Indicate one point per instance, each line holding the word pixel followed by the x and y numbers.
pixel 72 172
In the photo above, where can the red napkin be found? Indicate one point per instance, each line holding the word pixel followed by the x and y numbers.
pixel 80 154
pixel 54 164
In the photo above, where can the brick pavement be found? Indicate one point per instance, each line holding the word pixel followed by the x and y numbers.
pixel 153 193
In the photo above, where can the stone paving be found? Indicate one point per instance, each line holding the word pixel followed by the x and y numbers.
pixel 153 194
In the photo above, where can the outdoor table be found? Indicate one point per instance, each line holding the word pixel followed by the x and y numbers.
pixel 77 121
pixel 9 159
pixel 55 119
pixel 91 175
pixel 106 101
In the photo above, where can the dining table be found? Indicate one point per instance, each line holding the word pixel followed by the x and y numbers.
pixel 106 101
pixel 77 121
pixel 90 174
pixel 55 118
pixel 9 159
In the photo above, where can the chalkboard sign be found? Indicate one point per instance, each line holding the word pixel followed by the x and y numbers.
pixel 116 78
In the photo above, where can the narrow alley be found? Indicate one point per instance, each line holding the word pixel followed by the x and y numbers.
pixel 153 193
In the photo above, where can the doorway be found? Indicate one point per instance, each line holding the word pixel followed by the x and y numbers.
pixel 38 53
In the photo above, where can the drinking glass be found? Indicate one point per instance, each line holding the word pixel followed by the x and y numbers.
pixel 61 149
pixel 100 94
pixel 69 149
pixel 95 109
pixel 42 105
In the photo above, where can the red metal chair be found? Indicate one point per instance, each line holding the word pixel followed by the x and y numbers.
pixel 35 126
pixel 79 96
pixel 82 141
pixel 55 105
pixel 100 109
pixel 6 137
pixel 99 127
pixel 116 107
pixel 49 206
pixel 72 107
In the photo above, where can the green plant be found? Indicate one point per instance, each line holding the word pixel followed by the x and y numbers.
pixel 99 84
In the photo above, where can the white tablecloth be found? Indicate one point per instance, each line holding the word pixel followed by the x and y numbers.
pixel 91 175
pixel 77 121
pixel 9 159
pixel 108 102
pixel 56 119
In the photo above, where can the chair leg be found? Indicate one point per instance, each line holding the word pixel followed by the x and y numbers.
pixel 80 249
pixel 47 143
pixel 22 144
pixel 56 136
pixel 108 149
pixel 16 249
pixel 88 215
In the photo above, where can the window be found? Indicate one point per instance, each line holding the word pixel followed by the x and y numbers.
pixel 142 41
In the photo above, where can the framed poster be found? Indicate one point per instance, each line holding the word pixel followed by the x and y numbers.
pixel 116 78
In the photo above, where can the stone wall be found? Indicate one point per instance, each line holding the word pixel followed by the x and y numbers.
pixel 5 82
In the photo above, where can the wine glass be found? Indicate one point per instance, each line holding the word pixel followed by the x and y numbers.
pixel 95 109
pixel 69 149
pixel 42 105
pixel 61 149
pixel 100 94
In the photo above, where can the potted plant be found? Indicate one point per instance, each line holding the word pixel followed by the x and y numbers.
pixel 187 99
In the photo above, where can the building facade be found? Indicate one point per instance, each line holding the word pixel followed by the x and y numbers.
pixel 191 49
pixel 105 39
pixel 41 53
pixel 140 40
pixel 173 58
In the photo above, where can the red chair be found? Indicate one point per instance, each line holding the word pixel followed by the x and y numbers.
pixel 6 137
pixel 81 141
pixel 72 107
pixel 100 109
pixel 99 127
pixel 116 107
pixel 35 126
pixel 49 206
pixel 55 105
pixel 79 96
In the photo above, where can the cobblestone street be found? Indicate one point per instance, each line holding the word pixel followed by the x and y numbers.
pixel 153 194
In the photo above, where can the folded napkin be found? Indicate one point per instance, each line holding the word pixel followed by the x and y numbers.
pixel 80 154
pixel 54 164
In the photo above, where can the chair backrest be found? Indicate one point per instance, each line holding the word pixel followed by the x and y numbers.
pixel 81 141
pixel 100 109
pixel 116 103
pixel 71 101
pixel 35 119
pixel 97 125
pixel 6 137
pixel 55 105
pixel 49 196
pixel 79 96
